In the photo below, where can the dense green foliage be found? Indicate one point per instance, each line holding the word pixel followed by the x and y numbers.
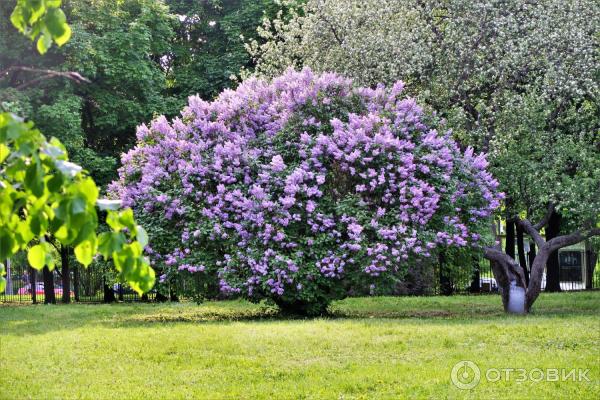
pixel 142 57
pixel 139 58
pixel 375 348
pixel 207 50
pixel 44 195
pixel 43 20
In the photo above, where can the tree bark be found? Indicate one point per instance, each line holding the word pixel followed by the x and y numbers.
pixel 66 274
pixel 49 297
pixel 506 269
pixel 532 254
pixel 591 257
pixel 476 279
pixel 552 264
pixel 109 295
pixel 509 248
pixel 76 282
pixel 545 250
pixel 521 251
pixel 33 284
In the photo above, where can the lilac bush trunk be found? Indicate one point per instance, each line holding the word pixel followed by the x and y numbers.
pixel 299 189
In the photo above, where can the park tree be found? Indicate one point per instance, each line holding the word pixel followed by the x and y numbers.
pixel 207 50
pixel 46 197
pixel 301 189
pixel 516 79
pixel 117 46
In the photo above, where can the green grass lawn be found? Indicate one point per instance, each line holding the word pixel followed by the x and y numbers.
pixel 368 348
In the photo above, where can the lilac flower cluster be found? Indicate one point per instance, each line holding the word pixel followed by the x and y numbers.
pixel 287 188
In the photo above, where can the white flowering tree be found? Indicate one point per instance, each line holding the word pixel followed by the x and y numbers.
pixel 518 79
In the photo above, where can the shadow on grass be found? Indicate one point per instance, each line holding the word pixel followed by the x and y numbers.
pixel 40 319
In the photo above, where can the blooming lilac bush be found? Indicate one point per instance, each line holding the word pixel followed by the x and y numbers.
pixel 302 188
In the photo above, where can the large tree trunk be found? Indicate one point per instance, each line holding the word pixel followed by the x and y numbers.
pixel 532 254
pixel 506 269
pixel 591 257
pixel 49 297
pixel 66 274
pixel 521 250
pixel 76 282
pixel 33 285
pixel 109 294
pixel 509 248
pixel 476 278
pixel 552 265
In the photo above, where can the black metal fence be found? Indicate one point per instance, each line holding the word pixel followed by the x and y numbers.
pixel 576 272
pixel 24 284
pixel 95 283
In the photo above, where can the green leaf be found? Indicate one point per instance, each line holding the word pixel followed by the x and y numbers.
pixel 143 279
pixel 36 9
pixel 43 43
pixel 110 242
pixel 55 183
pixel 17 19
pixel 126 218
pixel 53 3
pixel 38 223
pixel 78 205
pixel 89 189
pixel 65 37
pixel 37 256
pixel 7 244
pixel 112 220
pixel 34 179
pixel 86 232
pixel 56 22
pixel 4 152
pixel 84 252
pixel 141 236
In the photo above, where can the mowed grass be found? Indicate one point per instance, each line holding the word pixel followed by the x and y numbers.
pixel 368 348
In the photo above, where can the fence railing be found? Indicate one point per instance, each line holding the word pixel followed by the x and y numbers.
pixel 92 285
pixel 23 284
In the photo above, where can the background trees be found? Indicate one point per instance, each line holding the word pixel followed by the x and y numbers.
pixel 45 198
pixel 516 79
pixel 138 59
pixel 141 57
